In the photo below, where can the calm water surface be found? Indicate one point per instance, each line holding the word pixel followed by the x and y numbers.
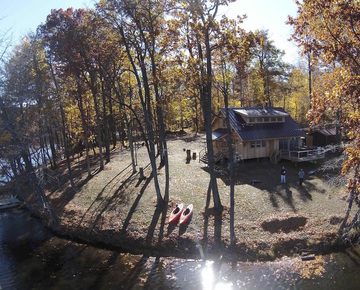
pixel 31 258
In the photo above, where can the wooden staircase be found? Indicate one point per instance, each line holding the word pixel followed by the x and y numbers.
pixel 275 157
pixel 203 156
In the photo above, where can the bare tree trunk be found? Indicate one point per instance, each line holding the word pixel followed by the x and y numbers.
pixel 99 125
pixel 52 146
pixel 86 140
pixel 351 200
pixel 105 127
pixel 63 127
pixel 207 118
pixel 310 78
pixel 24 154
pixel 131 142
pixel 231 169
pixel 145 98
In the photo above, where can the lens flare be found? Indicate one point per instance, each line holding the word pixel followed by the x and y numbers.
pixel 208 278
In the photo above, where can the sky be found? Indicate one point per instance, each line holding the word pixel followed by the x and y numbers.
pixel 23 16
pixel 268 15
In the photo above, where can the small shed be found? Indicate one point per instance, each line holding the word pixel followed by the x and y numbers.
pixel 323 137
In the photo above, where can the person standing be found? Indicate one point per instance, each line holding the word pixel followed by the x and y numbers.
pixel 301 176
pixel 283 175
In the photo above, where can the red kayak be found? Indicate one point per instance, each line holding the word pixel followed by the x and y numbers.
pixel 186 214
pixel 176 212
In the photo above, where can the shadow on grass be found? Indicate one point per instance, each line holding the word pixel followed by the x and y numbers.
pixel 135 204
pixel 172 226
pixel 106 202
pixel 79 168
pixel 158 212
pixel 206 216
pixel 217 221
pixel 68 194
pixel 265 176
pixel 184 226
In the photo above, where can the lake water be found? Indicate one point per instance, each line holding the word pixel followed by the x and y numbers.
pixel 32 258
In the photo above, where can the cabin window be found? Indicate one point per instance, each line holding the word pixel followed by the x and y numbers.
pixel 265 119
pixel 283 144
pixel 294 144
pixel 258 144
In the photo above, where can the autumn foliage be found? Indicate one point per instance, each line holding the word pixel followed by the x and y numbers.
pixel 329 31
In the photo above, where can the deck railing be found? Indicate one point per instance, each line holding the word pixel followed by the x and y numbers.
pixel 299 155
pixel 203 154
pixel 302 155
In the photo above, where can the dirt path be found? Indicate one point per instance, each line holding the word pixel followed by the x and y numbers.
pixel 271 219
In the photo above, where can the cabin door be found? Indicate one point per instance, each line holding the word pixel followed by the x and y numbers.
pixel 272 146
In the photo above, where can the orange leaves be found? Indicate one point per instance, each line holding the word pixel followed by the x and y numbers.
pixel 328 31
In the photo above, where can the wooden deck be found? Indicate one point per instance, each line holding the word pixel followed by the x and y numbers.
pixel 302 155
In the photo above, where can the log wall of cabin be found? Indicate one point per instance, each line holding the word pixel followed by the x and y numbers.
pixel 242 149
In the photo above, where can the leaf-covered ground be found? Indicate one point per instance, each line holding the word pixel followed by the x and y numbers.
pixel 116 208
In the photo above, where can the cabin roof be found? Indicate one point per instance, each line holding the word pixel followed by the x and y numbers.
pixel 218 134
pixel 260 112
pixel 325 132
pixel 260 131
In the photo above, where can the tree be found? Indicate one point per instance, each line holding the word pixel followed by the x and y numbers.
pixel 268 66
pixel 68 35
pixel 200 41
pixel 329 30
pixel 141 25
pixel 20 91
pixel 59 93
pixel 232 56
pixel 298 102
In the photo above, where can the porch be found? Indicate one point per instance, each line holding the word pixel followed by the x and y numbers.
pixel 300 155
pixel 218 156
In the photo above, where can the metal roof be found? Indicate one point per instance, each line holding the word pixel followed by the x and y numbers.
pixel 326 132
pixel 260 112
pixel 260 131
pixel 219 133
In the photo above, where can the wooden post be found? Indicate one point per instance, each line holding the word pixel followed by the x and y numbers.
pixel 188 155
pixel 194 155
pixel 141 171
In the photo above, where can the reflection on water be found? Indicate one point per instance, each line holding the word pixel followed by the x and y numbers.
pixel 210 280
pixel 30 258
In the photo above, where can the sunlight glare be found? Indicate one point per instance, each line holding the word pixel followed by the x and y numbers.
pixel 207 276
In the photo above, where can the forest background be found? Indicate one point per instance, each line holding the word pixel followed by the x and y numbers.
pixel 131 71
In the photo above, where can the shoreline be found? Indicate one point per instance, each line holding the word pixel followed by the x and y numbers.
pixel 191 247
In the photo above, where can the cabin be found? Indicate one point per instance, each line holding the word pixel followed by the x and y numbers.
pixel 261 132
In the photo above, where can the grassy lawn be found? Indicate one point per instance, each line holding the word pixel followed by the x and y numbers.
pixel 272 219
